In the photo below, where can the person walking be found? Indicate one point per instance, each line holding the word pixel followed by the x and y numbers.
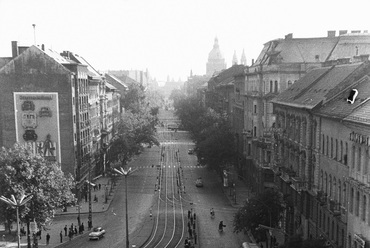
pixel 61 236
pixel 82 227
pixel 48 238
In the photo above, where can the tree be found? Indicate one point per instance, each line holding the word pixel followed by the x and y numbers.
pixel 22 172
pixel 258 210
pixel 134 131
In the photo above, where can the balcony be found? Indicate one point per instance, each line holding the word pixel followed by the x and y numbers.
pixel 298 184
pixel 334 207
pixel 322 197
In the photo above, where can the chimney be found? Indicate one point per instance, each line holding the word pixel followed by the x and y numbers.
pixel 252 61
pixel 356 31
pixel 331 33
pixel 360 58
pixel 289 36
pixel 15 51
pixel 342 61
pixel 342 32
pixel 43 47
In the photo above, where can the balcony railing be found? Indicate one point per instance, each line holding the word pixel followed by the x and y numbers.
pixel 299 184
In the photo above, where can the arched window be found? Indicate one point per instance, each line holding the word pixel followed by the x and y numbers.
pixel 341 151
pixel 327 145
pixel 330 187
pixel 323 144
pixel 353 156
pixel 331 148
pixel 322 180
pixel 335 189
pixel 336 150
pixel 326 183
pixel 339 192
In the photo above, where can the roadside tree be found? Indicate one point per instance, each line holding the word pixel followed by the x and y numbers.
pixel 22 172
pixel 265 209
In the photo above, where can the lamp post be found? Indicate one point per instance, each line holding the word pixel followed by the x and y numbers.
pixel 125 173
pixel 17 203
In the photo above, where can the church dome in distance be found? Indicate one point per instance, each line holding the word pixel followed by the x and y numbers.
pixel 215 53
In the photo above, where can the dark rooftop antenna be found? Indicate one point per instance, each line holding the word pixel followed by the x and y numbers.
pixel 34 33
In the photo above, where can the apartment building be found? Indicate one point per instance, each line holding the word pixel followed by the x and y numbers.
pixel 53 102
pixel 311 154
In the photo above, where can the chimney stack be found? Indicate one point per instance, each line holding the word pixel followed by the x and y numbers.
pixel 43 47
pixel 252 61
pixel 331 33
pixel 289 36
pixel 15 51
pixel 342 32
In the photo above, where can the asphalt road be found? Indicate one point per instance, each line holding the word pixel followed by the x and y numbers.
pixel 177 194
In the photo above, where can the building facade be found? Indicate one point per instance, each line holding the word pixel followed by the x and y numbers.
pixel 54 103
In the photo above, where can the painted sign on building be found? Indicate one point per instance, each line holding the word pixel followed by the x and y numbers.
pixel 37 123
pixel 359 138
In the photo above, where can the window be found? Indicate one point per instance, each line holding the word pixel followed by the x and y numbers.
pixel 249 149
pixel 351 201
pixel 255 108
pixel 364 208
pixel 276 86
pixel 323 144
pixel 331 148
pixel 353 157
pixel 336 149
pixel 327 145
pixel 271 85
pixel 255 131
pixel 341 151
pixel 359 160
pixel 345 157
pixel 366 162
pixel 357 212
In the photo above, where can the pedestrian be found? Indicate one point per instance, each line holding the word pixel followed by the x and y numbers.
pixel 70 235
pixel 189 225
pixel 75 230
pixel 189 214
pixel 99 186
pixel 78 220
pixel 40 233
pixel 48 238
pixel 195 216
pixel 65 230
pixel 190 233
pixel 82 227
pixel 61 236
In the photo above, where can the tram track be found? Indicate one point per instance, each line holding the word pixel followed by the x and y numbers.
pixel 169 225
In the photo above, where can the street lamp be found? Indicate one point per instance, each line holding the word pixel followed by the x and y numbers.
pixel 125 173
pixel 17 203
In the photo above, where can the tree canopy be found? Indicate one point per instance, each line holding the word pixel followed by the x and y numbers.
pixel 22 172
pixel 258 210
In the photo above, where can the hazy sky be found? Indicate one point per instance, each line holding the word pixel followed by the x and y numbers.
pixel 170 37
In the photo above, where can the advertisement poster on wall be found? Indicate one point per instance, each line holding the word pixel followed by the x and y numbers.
pixel 37 123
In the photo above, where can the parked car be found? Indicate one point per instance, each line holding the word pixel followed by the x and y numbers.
pixel 199 182
pixel 97 233
pixel 191 151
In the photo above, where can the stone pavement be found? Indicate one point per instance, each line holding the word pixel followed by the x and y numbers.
pixel 103 198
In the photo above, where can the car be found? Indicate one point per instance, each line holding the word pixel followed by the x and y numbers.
pixel 191 151
pixel 199 182
pixel 97 233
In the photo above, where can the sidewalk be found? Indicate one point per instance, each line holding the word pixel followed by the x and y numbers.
pixel 104 197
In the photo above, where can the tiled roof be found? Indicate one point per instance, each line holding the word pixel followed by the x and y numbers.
pixel 361 114
pixel 313 50
pixel 351 45
pixel 110 78
pixel 338 107
pixel 108 85
pixel 313 88
pixel 297 50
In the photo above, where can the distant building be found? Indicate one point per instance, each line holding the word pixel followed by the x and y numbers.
pixel 216 61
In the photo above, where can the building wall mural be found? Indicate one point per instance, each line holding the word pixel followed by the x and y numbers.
pixel 37 123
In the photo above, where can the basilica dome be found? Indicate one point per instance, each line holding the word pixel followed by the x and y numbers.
pixel 215 53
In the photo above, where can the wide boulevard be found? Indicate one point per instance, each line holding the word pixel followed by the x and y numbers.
pixel 163 184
